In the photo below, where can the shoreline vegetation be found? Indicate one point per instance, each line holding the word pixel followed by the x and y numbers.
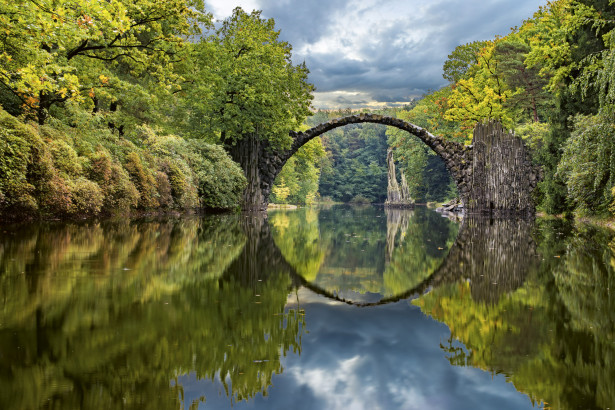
pixel 53 171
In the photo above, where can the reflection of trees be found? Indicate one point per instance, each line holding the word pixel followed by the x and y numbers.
pixel 297 235
pixel 553 334
pixel 417 245
pixel 107 315
pixel 494 255
pixel 345 249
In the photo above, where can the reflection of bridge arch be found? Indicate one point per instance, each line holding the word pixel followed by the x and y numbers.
pixel 495 255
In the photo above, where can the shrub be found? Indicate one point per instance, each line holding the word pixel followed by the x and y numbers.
pixel 220 180
pixel 205 170
pixel 15 190
pixel 143 180
pixel 65 158
pixel 87 198
pixel 164 189
pixel 119 193
pixel 54 196
pixel 360 199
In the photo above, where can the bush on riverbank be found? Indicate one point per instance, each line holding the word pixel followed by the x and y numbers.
pixel 86 170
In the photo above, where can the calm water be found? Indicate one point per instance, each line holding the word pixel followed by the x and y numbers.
pixel 342 307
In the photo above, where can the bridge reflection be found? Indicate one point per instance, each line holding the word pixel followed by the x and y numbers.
pixel 494 255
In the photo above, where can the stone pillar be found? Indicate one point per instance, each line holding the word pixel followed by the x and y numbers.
pixel 503 177
pixel 396 195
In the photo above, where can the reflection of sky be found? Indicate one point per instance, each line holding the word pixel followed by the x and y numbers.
pixel 385 357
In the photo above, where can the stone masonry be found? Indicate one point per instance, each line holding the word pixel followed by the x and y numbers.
pixel 493 176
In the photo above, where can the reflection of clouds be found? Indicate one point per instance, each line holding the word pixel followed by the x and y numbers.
pixel 389 357
pixel 339 389
pixel 385 357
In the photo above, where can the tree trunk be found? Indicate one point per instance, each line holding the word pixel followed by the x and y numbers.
pixel 246 152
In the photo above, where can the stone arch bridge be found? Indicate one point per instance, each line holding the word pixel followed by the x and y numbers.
pixel 493 176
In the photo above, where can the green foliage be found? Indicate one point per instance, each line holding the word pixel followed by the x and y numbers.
pixel 539 80
pixel 57 51
pixel 15 191
pixel 461 60
pixel 120 194
pixel 87 197
pixel 342 248
pixel 426 174
pixel 355 162
pixel 552 336
pixel 481 93
pixel 56 170
pixel 587 166
pixel 243 82
pixel 359 200
pixel 143 179
pixel 220 180
pixel 298 181
pixel 296 233
pixel 139 304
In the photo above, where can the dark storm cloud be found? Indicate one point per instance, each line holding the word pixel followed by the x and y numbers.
pixel 302 21
pixel 401 45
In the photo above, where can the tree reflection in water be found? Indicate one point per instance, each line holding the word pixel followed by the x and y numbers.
pixel 106 315
pixel 364 254
pixel 538 309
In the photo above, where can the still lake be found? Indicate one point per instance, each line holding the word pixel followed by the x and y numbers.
pixel 317 308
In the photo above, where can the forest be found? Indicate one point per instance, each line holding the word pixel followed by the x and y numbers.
pixel 109 108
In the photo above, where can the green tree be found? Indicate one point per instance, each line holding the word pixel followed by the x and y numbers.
pixel 426 174
pixel 56 51
pixel 254 85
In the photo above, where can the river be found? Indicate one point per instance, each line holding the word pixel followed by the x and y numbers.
pixel 335 307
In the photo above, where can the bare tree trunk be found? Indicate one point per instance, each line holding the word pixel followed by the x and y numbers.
pixel 246 152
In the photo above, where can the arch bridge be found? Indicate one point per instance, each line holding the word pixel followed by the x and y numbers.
pixel 494 175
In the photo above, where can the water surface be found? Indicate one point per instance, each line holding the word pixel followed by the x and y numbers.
pixel 341 307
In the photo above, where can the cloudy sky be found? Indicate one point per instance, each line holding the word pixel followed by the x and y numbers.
pixel 373 52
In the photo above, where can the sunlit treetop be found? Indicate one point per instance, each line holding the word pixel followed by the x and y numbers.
pixel 57 50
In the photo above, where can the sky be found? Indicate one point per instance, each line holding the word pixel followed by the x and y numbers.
pixel 370 53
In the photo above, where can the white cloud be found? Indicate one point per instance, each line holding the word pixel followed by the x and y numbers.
pixel 342 389
pixel 222 9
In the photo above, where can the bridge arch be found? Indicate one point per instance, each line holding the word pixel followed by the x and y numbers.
pixel 457 157
pixel 495 175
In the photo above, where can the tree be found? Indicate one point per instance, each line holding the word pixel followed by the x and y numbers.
pixel 253 93
pixel 481 93
pixel 58 50
pixel 255 86
pixel 511 53
pixel 461 59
